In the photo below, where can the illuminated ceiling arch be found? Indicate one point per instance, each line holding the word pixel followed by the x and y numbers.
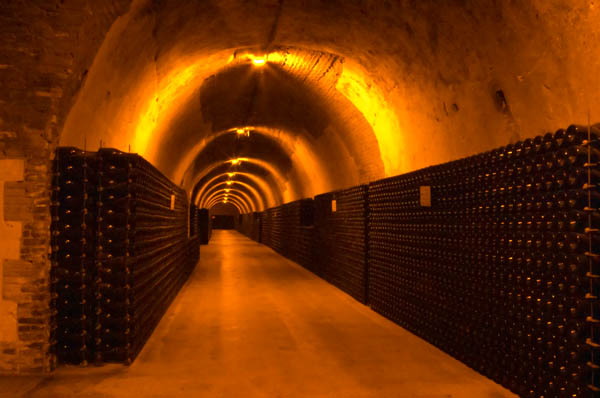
pixel 237 207
pixel 258 183
pixel 290 142
pixel 241 207
pixel 255 201
pixel 237 192
pixel 270 183
pixel 286 189
pixel 315 133
pixel 291 152
pixel 231 199
pixel 374 89
pixel 259 199
pixel 229 147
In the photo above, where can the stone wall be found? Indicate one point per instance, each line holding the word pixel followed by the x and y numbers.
pixel 45 50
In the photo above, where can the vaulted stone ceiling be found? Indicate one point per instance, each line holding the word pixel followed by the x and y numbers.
pixel 312 96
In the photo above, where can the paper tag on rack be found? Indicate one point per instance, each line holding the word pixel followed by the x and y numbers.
pixel 425 195
pixel 172 202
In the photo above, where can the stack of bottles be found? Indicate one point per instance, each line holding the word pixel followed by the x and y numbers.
pixel 142 252
pixel 120 253
pixel 340 228
pixel 323 230
pixel 297 232
pixel 271 228
pixel 194 225
pixel 250 225
pixel 245 224
pixel 494 259
pixel 256 232
pixel 204 226
pixel 72 259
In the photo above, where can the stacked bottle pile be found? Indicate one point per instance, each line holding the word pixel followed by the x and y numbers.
pixel 244 225
pixel 72 259
pixel 341 246
pixel 271 228
pixel 142 252
pixel 322 232
pixel 194 224
pixel 120 253
pixel 249 225
pixel 499 266
pixel 256 233
pixel 204 226
pixel 297 232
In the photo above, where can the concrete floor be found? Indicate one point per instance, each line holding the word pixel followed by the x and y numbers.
pixel 250 323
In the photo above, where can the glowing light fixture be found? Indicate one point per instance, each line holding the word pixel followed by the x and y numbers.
pixel 237 161
pixel 227 190
pixel 244 131
pixel 229 182
pixel 230 174
pixel 258 61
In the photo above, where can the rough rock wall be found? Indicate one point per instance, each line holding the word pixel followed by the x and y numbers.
pixel 45 50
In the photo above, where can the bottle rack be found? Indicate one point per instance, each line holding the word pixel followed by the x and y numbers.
pixel 271 228
pixel 250 225
pixel 495 272
pixel 194 222
pixel 72 240
pixel 296 231
pixel 204 226
pixel 137 257
pixel 342 243
pixel 493 258
pixel 593 271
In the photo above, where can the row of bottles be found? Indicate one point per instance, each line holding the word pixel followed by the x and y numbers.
pixel 492 259
pixel 271 228
pixel 341 227
pixel 295 228
pixel 142 252
pixel 326 236
pixel 250 225
pixel 73 249
pixel 204 226
pixel 139 252
pixel 194 223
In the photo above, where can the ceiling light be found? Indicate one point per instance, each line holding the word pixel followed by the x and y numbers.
pixel 244 131
pixel 230 174
pixel 259 61
pixel 229 182
pixel 237 161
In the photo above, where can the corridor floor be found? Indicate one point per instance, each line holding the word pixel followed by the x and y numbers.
pixel 250 323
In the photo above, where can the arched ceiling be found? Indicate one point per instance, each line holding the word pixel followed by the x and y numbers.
pixel 303 97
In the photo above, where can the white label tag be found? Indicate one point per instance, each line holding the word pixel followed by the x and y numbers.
pixel 172 202
pixel 425 195
pixel 333 206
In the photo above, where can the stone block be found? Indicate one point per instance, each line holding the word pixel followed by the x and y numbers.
pixel 19 269
pixel 8 322
pixel 17 206
pixel 12 170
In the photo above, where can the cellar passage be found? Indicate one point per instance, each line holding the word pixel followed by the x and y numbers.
pixel 416 155
pixel 255 322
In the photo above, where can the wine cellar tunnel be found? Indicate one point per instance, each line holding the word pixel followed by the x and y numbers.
pixel 423 171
